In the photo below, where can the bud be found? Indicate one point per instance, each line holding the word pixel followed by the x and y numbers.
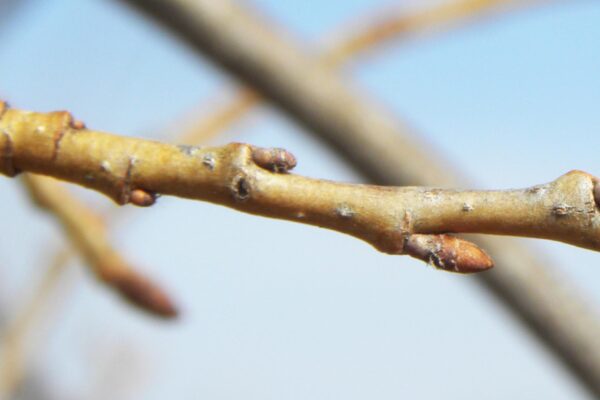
pixel 142 198
pixel 273 159
pixel 141 292
pixel 448 253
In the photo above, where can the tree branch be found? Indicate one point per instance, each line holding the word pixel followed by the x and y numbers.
pixel 402 220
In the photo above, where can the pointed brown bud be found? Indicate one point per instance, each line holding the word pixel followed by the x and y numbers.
pixel 448 253
pixel 143 293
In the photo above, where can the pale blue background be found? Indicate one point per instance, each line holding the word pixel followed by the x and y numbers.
pixel 273 310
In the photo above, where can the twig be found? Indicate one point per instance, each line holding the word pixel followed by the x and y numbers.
pixel 410 220
pixel 88 235
pixel 436 18
pixel 87 231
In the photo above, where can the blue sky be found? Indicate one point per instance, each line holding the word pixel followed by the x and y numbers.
pixel 511 102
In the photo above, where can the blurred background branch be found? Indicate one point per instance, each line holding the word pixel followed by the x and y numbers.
pixel 372 33
pixel 87 232
pixel 384 151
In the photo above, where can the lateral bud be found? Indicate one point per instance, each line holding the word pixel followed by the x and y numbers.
pixel 142 198
pixel 273 159
pixel 448 253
